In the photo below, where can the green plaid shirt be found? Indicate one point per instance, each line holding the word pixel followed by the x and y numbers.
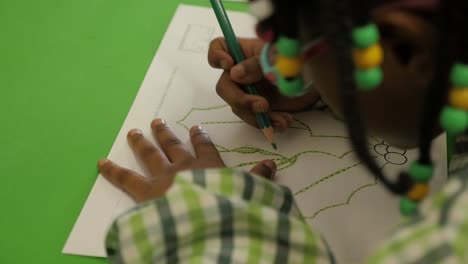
pixel 216 216
pixel 226 216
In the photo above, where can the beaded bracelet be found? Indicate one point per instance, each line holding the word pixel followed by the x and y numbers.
pixel 287 70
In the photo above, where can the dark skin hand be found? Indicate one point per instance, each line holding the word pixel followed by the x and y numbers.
pixel 392 112
pixel 244 105
pixel 164 162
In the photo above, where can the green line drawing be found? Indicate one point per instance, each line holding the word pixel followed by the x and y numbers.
pixel 283 162
pixel 348 200
pixel 329 176
pixel 377 146
pixel 181 121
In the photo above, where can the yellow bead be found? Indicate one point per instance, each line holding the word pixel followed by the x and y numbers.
pixel 289 67
pixel 368 58
pixel 459 98
pixel 418 192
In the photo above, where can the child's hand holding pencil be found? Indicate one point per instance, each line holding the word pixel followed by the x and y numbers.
pixel 244 105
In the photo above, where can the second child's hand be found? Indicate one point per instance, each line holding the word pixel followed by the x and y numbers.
pixel 164 162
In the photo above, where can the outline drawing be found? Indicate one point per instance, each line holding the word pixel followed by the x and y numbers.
pixel 197 38
pixel 378 147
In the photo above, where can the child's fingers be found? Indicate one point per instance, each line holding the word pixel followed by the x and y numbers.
pixel 233 95
pixel 248 71
pixel 127 180
pixel 151 156
pixel 266 169
pixel 217 52
pixel 175 150
pixel 260 106
pixel 288 117
pixel 203 146
pixel 280 121
pixel 247 116
pixel 296 104
pixel 220 59
pixel 219 56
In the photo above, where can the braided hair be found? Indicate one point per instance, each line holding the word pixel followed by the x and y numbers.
pixel 337 20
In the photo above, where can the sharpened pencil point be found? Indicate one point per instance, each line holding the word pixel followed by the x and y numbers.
pixel 274 146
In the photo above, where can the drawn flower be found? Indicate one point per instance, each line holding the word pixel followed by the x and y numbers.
pixel 391 154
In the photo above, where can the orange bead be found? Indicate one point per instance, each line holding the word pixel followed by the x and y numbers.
pixel 459 98
pixel 418 192
pixel 368 58
pixel 289 67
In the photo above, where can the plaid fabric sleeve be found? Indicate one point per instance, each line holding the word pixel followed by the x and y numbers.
pixel 440 233
pixel 216 216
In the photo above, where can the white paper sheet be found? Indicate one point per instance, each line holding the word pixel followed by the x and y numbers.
pixel 336 194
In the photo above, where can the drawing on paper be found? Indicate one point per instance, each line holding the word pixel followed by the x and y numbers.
pixel 197 38
pixel 384 153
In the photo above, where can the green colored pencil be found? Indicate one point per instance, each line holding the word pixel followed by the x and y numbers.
pixel 236 52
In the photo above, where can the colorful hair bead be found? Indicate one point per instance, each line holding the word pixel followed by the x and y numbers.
pixel 459 75
pixel 368 79
pixel 289 62
pixel 418 192
pixel 458 98
pixel 267 35
pixel 420 174
pixel 289 67
pixel 365 36
pixel 288 47
pixel 291 87
pixel 454 118
pixel 261 9
pixel 407 206
pixel 367 56
pixel 287 86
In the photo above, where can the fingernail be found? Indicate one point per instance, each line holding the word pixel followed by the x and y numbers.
pixel 157 122
pixel 239 71
pixel 134 132
pixel 198 130
pixel 102 162
pixel 271 165
pixel 195 129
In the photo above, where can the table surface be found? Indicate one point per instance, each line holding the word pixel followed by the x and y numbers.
pixel 69 71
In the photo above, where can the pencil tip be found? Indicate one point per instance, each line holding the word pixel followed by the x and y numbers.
pixel 274 146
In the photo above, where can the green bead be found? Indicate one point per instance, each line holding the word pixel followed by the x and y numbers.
pixel 369 79
pixel 291 88
pixel 288 47
pixel 420 172
pixel 408 207
pixel 454 120
pixel 365 36
pixel 459 75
